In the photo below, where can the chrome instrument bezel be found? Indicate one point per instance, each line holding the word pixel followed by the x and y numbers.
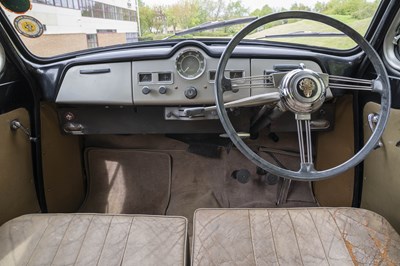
pixel 202 63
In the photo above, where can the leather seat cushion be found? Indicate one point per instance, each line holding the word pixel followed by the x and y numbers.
pixel 93 239
pixel 308 236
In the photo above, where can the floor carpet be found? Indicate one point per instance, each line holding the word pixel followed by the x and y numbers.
pixel 127 181
pixel 196 181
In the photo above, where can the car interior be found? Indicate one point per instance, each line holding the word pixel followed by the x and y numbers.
pixel 203 151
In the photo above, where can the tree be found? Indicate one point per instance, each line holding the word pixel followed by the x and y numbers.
pixel 214 9
pixel 358 9
pixel 344 7
pixel 300 6
pixel 147 16
pixel 320 7
pixel 235 10
pixel 159 19
pixel 187 13
pixel 172 19
pixel 265 10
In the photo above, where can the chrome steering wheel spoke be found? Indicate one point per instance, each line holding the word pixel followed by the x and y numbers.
pixel 303 122
pixel 348 83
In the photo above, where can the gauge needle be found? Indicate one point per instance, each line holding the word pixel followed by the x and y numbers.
pixel 186 70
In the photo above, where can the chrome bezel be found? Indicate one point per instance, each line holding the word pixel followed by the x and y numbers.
pixel 202 64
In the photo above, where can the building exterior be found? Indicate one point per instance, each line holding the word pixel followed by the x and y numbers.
pixel 72 25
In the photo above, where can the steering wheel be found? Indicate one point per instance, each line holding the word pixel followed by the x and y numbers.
pixel 303 91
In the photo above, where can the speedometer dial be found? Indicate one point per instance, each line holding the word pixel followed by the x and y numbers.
pixel 190 64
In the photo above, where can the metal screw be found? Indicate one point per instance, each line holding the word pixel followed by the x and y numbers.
pixel 69 116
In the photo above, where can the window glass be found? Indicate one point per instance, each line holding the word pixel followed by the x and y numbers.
pixel 64 3
pixel 110 12
pixel 92 41
pixel 76 4
pixel 67 23
pixel 98 10
pixel 131 37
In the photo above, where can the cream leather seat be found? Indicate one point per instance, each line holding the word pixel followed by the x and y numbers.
pixel 313 236
pixel 93 239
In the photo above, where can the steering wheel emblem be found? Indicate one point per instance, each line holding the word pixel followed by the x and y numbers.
pixel 307 88
pixel 303 91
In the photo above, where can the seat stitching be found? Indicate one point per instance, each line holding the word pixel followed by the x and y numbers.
pixel 153 238
pixel 203 227
pixel 105 239
pixel 213 240
pixel 201 232
pixel 65 232
pixel 199 253
pixel 295 236
pixel 126 243
pixel 171 246
pixel 360 223
pixel 316 229
pixel 83 240
pixel 44 231
pixel 273 238
pixel 344 241
pixel 251 238
pixel 369 232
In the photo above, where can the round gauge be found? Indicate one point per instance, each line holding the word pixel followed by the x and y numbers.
pixel 190 64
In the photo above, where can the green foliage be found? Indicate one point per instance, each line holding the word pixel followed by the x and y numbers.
pixel 163 20
pixel 365 11
pixel 297 6
pixel 186 14
pixel 265 10
pixel 147 16
pixel 320 7
pixel 358 9
pixel 311 26
pixel 235 9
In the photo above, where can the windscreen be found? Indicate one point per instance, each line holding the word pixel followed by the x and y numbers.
pixel 54 27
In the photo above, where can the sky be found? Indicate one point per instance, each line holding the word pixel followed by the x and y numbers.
pixel 252 4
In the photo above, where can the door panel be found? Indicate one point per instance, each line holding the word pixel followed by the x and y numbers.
pixel 17 188
pixel 381 185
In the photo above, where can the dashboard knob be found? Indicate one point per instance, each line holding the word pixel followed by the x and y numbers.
pixel 191 92
pixel 162 90
pixel 146 90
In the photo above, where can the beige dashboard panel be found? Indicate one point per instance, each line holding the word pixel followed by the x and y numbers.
pixel 381 185
pixel 17 187
pixel 176 87
pixel 97 84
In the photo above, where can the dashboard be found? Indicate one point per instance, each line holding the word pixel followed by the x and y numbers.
pixel 185 78
pixel 145 89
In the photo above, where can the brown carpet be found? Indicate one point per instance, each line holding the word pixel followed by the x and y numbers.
pixel 201 182
pixel 127 181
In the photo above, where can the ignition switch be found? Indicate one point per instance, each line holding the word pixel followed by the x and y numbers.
pixel 191 93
